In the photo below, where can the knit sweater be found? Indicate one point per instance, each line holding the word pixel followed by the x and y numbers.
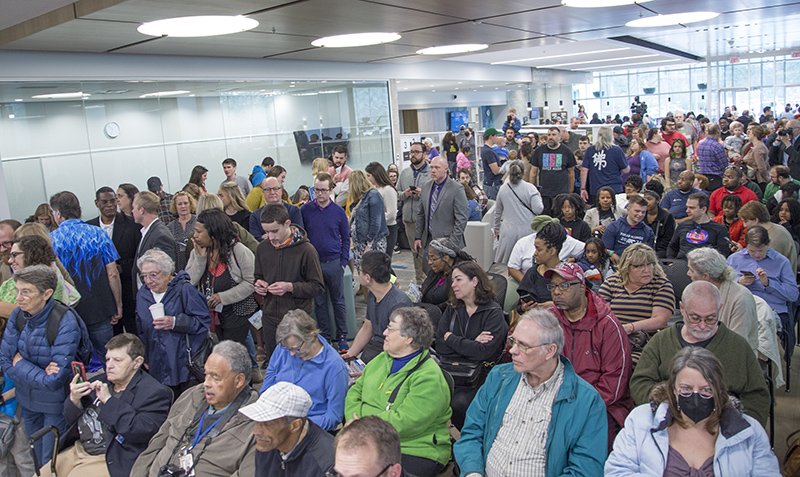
pixel 328 231
pixel 743 375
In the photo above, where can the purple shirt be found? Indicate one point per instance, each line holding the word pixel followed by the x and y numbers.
pixel 711 157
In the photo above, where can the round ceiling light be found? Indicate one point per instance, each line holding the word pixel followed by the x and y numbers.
pixel 209 25
pixel 673 19
pixel 452 49
pixel 356 39
pixel 599 3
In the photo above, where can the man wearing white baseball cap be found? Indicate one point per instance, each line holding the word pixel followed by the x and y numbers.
pixel 287 442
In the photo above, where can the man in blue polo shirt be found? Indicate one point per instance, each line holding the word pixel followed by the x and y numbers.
pixel 492 178
pixel 329 233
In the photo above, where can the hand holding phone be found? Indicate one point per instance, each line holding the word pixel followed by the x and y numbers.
pixel 526 298
pixel 79 370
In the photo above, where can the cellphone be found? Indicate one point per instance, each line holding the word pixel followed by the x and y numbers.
pixel 745 272
pixel 730 242
pixel 79 370
pixel 526 298
pixel 413 188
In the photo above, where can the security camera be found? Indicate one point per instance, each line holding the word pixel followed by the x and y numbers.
pixel 455 96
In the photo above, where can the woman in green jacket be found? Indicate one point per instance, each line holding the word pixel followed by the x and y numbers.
pixel 421 405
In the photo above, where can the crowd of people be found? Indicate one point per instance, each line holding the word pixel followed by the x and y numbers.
pixel 183 298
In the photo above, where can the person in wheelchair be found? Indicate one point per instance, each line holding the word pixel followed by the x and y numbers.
pixel 113 415
pixel 471 334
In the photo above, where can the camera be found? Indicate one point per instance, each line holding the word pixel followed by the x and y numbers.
pixel 171 470
pixel 638 107
pixel 784 132
pixel 509 119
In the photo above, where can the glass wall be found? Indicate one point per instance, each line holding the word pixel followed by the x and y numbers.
pixel 115 132
pixel 749 84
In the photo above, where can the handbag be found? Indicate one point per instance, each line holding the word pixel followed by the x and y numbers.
pixel 245 307
pixel 196 360
pixel 638 339
pixel 791 463
pixel 464 373
pixel 8 428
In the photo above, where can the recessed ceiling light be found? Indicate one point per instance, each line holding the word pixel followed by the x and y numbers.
pixel 18 100
pixel 452 49
pixel 77 94
pixel 560 56
pixel 673 19
pixel 599 3
pixel 208 25
pixel 11 116
pixel 161 94
pixel 356 39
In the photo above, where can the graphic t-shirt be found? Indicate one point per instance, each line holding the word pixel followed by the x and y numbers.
pixel 554 165
pixel 605 168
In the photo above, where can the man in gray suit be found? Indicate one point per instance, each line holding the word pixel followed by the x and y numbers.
pixel 154 233
pixel 443 212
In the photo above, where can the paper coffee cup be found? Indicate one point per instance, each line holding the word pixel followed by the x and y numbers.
pixel 157 310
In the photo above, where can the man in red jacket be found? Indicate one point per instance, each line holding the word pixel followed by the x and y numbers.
pixel 594 341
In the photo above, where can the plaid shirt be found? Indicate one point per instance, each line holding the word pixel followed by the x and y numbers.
pixel 711 157
pixel 164 214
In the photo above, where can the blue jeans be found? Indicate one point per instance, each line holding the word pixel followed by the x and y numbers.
pixel 491 190
pixel 100 333
pixel 37 420
pixel 333 275
pixel 251 349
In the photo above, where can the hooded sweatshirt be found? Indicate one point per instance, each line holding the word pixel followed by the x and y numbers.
pixel 600 352
pixel 296 262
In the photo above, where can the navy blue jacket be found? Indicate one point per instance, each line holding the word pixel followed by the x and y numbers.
pixel 36 390
pixel 311 457
pixel 132 419
pixel 165 350
pixel 257 230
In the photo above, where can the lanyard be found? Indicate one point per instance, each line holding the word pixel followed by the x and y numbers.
pixel 197 436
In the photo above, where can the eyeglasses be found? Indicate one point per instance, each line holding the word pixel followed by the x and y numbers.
pixel 693 320
pixel 15 254
pixel 273 189
pixel 432 259
pixel 642 265
pixel 416 151
pixel 26 293
pixel 321 190
pixel 389 329
pixel 564 286
pixel 295 349
pixel 687 391
pixel 149 276
pixel 333 473
pixel 8 244
pixel 523 347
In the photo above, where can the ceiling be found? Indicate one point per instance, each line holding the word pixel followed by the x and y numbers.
pixel 542 32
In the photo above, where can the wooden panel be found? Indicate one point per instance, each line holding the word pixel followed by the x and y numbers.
pixel 410 123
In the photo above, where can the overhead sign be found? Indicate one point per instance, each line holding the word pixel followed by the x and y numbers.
pixel 734 60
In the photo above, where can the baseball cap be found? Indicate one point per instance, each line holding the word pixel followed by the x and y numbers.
pixel 154 184
pixel 619 130
pixel 279 400
pixel 490 132
pixel 567 271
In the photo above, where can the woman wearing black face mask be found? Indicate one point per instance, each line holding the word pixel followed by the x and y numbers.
pixel 696 429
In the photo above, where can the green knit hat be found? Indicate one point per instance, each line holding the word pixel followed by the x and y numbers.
pixel 540 221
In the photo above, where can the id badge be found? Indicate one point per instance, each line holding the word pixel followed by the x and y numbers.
pixel 186 462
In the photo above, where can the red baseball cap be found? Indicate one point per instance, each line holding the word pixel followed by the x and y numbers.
pixel 567 271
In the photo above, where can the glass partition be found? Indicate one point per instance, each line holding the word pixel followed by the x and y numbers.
pixel 82 136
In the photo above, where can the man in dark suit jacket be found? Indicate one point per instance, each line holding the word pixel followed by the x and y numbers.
pixel 447 217
pixel 125 234
pixel 154 233
pixel 114 415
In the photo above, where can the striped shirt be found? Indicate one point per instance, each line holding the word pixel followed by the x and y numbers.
pixel 519 448
pixel 637 306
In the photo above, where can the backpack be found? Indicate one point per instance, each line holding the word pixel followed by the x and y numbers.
pixel 85 348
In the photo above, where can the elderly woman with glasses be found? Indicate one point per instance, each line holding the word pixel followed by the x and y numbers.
pixel 696 429
pixel 420 408
pixel 306 359
pixel 165 333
